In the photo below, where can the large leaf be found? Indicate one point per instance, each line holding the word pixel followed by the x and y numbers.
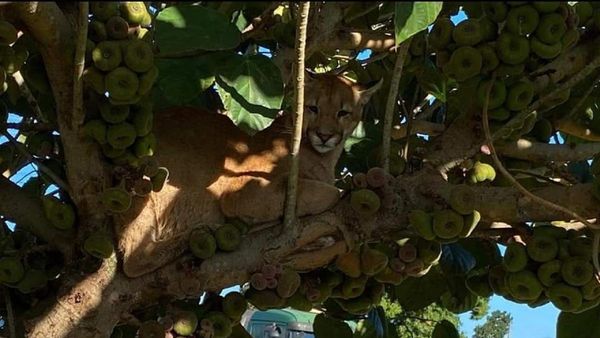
pixel 326 327
pixel 251 89
pixel 255 78
pixel 455 259
pixel 182 80
pixel 580 325
pixel 413 17
pixel 186 28
pixel 417 293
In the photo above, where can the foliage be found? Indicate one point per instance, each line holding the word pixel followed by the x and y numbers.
pixel 497 325
pixel 423 239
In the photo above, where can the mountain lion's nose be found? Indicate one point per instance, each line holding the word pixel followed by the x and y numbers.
pixel 324 136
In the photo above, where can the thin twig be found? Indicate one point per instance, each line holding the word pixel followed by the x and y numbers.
pixel 30 126
pixel 572 81
pixel 369 7
pixel 10 315
pixel 79 64
pixel 582 99
pixel 29 96
pixel 392 102
pixel 43 168
pixel 292 188
pixel 527 193
pixel 541 177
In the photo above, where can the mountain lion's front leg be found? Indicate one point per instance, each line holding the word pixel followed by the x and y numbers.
pixel 261 200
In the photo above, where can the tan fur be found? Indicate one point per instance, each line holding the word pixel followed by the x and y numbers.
pixel 217 171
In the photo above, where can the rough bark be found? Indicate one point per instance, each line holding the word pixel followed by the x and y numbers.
pixel 92 306
pixel 544 152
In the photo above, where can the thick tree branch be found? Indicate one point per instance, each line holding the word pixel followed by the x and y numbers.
pixel 543 152
pixel 86 172
pixel 27 212
pixel 96 303
pixel 349 39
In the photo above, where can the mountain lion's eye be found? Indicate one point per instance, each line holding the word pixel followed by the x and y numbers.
pixel 343 113
pixel 314 109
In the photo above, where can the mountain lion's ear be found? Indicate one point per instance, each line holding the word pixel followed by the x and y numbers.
pixel 365 94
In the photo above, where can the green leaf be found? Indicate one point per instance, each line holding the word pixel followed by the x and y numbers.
pixel 580 325
pixel 182 80
pixel 417 293
pixel 255 78
pixel 433 81
pixel 251 89
pixel 326 327
pixel 413 17
pixel 445 329
pixel 186 28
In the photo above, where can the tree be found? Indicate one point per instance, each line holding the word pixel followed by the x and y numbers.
pixel 484 133
pixel 497 325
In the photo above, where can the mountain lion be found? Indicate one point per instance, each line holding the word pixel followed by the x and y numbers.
pixel 218 171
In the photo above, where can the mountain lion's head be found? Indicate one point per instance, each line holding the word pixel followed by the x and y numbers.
pixel 333 106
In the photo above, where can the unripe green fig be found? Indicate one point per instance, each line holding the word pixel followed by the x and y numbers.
pixel 97 31
pixel 107 56
pixel 147 80
pixel 117 28
pixel 482 172
pixel 447 224
pixel 265 299
pixel 522 20
pixel 138 56
pixel 11 270
pixel 467 33
pixel 441 33
pixel 495 10
pixel 145 145
pixel 551 29
pixel 542 248
pixel 354 287
pixel 365 202
pixel 33 280
pixel 151 329
pixel 497 94
pixel 221 324
pixel 228 237
pixel 94 79
pixel 349 264
pixel 99 245
pixel 422 222
pixel 113 114
pixel 565 297
pixel 121 136
pixel 549 273
pixel 515 257
pixel 104 10
pixel 8 33
pixel 512 49
pixel 60 215
pixel 116 199
pixel 134 12
pixel 465 63
pixel 234 305
pixel 122 84
pixel 462 199
pixel 577 271
pixel 202 244
pixel 471 222
pixel 288 283
pixel 185 323
pixel 591 290
pixel 159 179
pixel 372 261
pixel 524 285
